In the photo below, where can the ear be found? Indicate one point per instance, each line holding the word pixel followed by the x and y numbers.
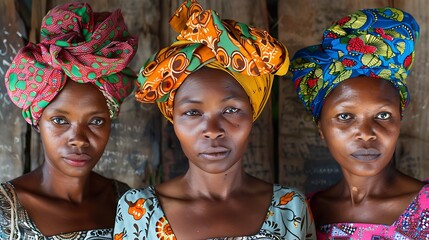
pixel 320 130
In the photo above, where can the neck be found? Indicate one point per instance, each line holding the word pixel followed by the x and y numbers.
pixel 360 188
pixel 217 186
pixel 58 185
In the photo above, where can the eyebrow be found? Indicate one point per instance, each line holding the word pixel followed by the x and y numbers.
pixel 65 112
pixel 191 101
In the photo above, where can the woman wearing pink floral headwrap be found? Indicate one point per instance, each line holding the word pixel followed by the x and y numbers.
pixel 69 86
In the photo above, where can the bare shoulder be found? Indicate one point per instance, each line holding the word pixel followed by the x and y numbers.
pixel 325 196
pixel 173 189
pixel 100 183
pixel 409 184
pixel 258 186
pixel 27 183
pixel 405 188
pixel 324 203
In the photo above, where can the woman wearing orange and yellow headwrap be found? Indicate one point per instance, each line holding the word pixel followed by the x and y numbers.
pixel 249 54
pixel 212 83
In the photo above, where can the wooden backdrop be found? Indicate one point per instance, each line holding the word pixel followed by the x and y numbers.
pixel 13 128
pixel 284 146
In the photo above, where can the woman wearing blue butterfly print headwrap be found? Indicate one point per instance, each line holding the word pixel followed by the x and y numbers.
pixel 354 84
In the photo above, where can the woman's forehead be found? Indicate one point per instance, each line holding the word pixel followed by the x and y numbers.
pixel 206 83
pixel 211 78
pixel 363 88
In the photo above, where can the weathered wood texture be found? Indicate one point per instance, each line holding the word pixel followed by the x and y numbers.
pixel 304 160
pixel 413 146
pixel 12 127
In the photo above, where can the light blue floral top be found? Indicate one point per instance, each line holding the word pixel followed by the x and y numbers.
pixel 140 216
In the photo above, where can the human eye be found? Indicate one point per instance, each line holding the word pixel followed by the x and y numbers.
pixel 344 116
pixel 192 113
pixel 59 121
pixel 231 110
pixel 383 116
pixel 97 121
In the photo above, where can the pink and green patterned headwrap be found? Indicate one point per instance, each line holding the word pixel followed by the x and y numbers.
pixel 376 43
pixel 76 44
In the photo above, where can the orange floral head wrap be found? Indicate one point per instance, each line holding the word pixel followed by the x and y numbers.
pixel 79 45
pixel 249 54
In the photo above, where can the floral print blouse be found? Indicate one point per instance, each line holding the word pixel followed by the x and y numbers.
pixel 140 216
pixel 412 224
pixel 15 223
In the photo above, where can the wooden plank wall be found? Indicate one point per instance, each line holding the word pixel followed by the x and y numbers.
pixel 13 126
pixel 143 148
pixel 413 147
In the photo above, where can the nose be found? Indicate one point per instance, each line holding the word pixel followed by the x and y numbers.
pixel 213 128
pixel 78 137
pixel 365 130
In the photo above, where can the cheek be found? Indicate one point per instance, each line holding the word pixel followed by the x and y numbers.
pixel 187 142
pixel 241 133
pixel 101 136
pixel 184 133
pixel 50 136
pixel 333 134
pixel 106 132
pixel 390 138
pixel 336 139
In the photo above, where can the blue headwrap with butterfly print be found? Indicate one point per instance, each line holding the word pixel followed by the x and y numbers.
pixel 376 43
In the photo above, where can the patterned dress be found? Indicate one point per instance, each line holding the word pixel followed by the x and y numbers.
pixel 14 218
pixel 413 223
pixel 140 216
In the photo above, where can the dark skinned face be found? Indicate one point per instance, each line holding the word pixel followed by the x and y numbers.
pixel 212 119
pixel 75 129
pixel 360 122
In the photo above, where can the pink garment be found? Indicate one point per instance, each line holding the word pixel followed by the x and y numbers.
pixel 413 223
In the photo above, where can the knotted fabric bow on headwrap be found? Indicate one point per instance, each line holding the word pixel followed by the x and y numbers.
pixel 76 44
pixel 376 43
pixel 249 54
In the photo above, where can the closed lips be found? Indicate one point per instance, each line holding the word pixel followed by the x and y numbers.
pixel 215 150
pixel 366 154
pixel 78 157
pixel 218 153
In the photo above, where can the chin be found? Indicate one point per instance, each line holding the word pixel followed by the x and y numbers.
pixel 79 172
pixel 367 172
pixel 215 168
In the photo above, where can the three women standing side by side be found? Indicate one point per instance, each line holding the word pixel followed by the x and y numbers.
pixel 69 86
pixel 212 84
pixel 354 83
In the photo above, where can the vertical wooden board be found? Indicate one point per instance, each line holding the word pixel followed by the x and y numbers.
pixel 133 152
pixel 13 127
pixel 304 160
pixel 413 147
pixel 258 160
